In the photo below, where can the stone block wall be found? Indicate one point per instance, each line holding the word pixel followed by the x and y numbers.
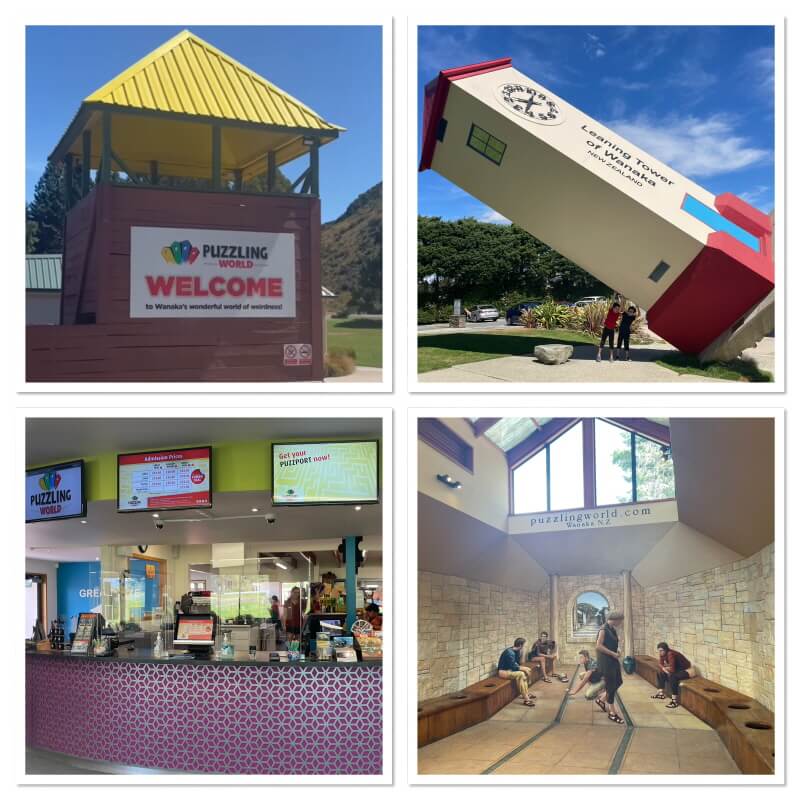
pixel 723 620
pixel 463 627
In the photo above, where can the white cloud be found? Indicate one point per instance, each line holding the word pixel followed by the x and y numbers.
pixel 446 48
pixel 627 86
pixel 594 46
pixel 760 197
pixel 490 215
pixel 690 75
pixel 692 145
pixel 758 69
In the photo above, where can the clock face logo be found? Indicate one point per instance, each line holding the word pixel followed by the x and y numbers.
pixel 529 103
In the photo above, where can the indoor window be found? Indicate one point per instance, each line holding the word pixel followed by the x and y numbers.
pixel 530 485
pixel 613 464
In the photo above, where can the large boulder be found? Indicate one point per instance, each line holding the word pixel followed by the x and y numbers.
pixel 552 353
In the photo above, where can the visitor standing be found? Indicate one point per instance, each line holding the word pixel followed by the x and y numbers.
pixel 608 658
pixel 609 329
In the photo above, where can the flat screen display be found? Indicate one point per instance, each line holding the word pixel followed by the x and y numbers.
pixel 316 473
pixel 195 630
pixel 55 492
pixel 164 480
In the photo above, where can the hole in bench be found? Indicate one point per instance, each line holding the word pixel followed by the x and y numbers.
pixel 458 696
pixel 715 691
pixel 489 685
pixel 739 706
pixel 758 726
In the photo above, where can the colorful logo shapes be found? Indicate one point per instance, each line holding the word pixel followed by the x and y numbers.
pixel 180 253
pixel 49 481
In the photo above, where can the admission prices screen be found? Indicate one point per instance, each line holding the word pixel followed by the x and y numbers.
pixel 164 480
pixel 331 472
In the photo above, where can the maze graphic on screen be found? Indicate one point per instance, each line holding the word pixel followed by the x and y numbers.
pixel 325 473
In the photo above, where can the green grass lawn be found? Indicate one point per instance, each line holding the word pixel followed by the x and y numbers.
pixel 452 349
pixel 739 370
pixel 363 336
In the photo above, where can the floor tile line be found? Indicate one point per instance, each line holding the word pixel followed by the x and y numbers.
pixel 528 742
pixel 622 748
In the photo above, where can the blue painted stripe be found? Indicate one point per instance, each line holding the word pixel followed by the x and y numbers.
pixel 715 221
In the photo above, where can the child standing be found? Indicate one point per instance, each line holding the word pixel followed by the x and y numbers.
pixel 609 328
pixel 624 335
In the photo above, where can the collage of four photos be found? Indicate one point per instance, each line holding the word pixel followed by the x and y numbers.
pixel 469 575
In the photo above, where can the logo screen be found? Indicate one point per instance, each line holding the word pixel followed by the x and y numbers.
pixel 54 492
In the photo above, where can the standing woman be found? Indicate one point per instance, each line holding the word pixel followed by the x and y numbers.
pixel 608 656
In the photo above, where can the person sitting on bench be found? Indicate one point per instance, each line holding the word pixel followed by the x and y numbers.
pixel 546 651
pixel 509 667
pixel 591 675
pixel 673 667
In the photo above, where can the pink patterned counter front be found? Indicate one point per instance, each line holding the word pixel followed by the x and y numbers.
pixel 233 719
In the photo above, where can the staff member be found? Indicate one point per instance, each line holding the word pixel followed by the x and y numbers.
pixel 293 615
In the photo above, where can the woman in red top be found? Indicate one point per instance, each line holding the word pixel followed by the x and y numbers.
pixel 673 667
pixel 609 328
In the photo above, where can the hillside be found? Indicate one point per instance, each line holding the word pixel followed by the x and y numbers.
pixel 352 258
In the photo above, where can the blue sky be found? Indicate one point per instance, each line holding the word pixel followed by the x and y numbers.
pixel 334 70
pixel 698 98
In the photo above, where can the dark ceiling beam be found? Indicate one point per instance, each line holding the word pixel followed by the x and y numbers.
pixel 480 426
pixel 648 428
pixel 539 439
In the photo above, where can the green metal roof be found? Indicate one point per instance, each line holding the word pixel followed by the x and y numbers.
pixel 43 273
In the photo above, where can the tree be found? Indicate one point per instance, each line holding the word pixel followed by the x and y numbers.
pixel 45 214
pixel 655 475
pixel 31 236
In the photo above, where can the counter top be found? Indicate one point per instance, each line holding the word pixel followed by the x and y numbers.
pixel 145 656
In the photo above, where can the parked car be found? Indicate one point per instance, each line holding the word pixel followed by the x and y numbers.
pixel 587 301
pixel 483 314
pixel 513 313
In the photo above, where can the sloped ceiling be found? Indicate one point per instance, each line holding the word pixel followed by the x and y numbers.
pixel 725 479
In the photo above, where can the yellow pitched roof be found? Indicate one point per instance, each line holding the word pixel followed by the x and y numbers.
pixel 164 103
pixel 187 75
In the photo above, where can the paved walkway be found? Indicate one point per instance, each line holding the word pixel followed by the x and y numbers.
pixel 361 375
pixel 581 368
pixel 573 737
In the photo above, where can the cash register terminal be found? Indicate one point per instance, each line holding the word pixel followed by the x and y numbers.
pixel 196 634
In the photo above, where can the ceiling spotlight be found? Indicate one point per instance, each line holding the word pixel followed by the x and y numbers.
pixel 254 510
pixel 449 481
pixel 281 565
pixel 156 515
pixel 97 558
pixel 358 508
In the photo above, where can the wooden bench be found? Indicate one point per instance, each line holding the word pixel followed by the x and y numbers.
pixel 746 727
pixel 443 716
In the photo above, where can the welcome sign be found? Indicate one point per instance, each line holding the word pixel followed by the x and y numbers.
pixel 655 513
pixel 190 272
pixel 55 492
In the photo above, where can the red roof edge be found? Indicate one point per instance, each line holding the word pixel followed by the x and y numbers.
pixel 436 96
pixel 741 213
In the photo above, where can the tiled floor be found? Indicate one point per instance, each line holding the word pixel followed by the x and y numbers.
pixel 517 741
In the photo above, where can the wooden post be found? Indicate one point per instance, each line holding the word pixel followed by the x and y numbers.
pixel 589 466
pixel 216 157
pixel 314 156
pixel 68 178
pixel 554 632
pixel 104 174
pixel 154 173
pixel 86 163
pixel 627 610
pixel 270 172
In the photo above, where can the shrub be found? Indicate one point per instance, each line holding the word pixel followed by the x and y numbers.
pixel 339 361
pixel 551 315
pixel 433 313
pixel 593 316
pixel 527 317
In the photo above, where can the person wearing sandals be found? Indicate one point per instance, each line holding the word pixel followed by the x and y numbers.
pixel 546 650
pixel 590 675
pixel 608 658
pixel 509 667
pixel 673 667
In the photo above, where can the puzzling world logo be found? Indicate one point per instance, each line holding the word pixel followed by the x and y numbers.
pixel 49 500
pixel 180 253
